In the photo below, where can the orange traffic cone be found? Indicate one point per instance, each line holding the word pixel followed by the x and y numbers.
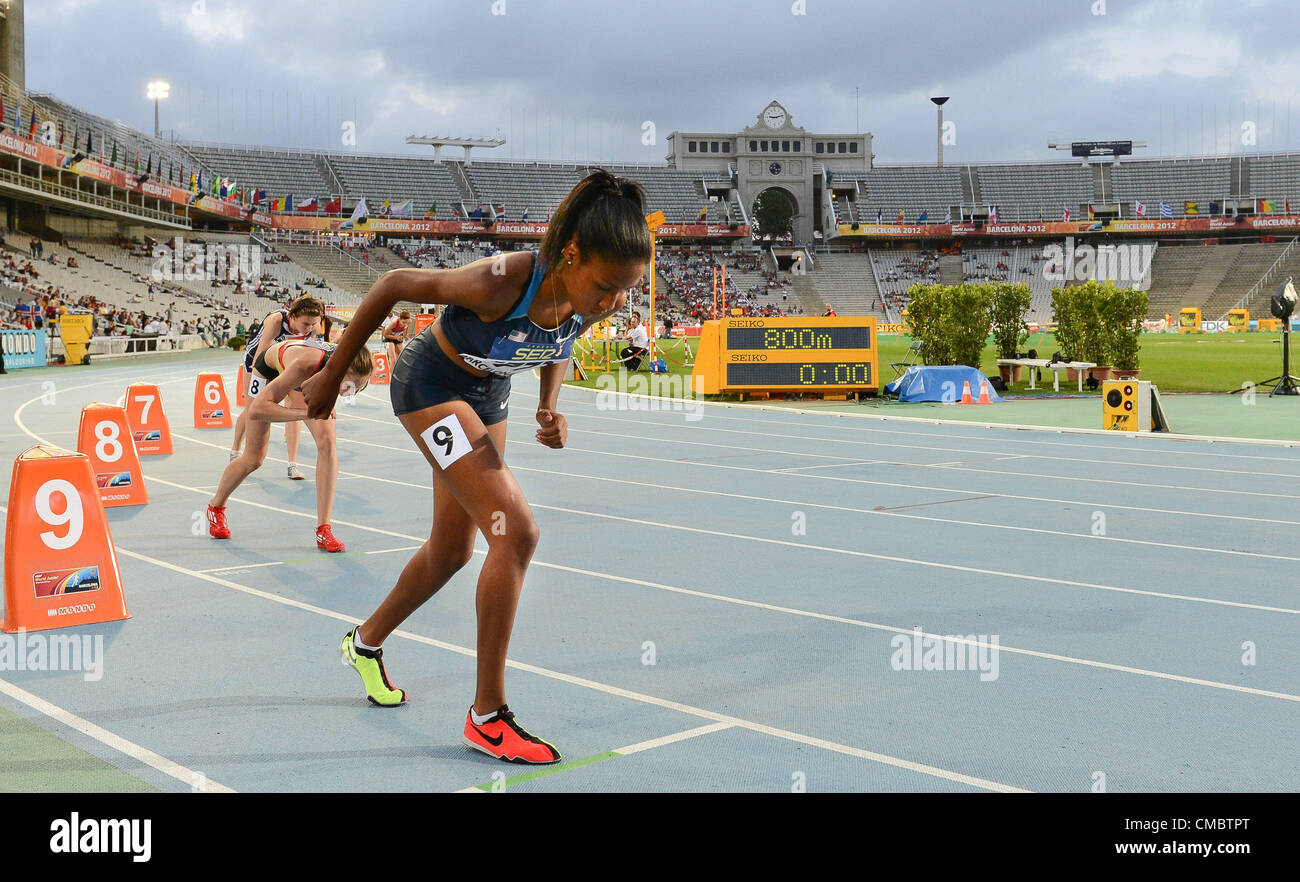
pixel 380 376
pixel 149 426
pixel 984 393
pixel 211 406
pixel 965 393
pixel 60 566
pixel 105 437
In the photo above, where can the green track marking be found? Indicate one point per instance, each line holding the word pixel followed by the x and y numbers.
pixel 547 771
pixel 37 761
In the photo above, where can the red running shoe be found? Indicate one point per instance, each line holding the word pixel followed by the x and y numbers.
pixel 505 739
pixel 325 539
pixel 217 528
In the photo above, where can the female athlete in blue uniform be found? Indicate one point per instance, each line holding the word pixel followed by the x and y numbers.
pixel 450 388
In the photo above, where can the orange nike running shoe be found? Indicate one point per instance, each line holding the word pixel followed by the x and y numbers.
pixel 505 739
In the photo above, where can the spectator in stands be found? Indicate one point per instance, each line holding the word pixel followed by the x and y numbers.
pixel 830 311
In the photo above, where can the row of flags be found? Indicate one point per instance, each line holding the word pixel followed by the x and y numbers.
pixel 1190 208
pixel 1193 208
pixel 387 208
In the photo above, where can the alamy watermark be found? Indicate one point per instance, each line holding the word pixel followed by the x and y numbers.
pixel 1125 265
pixel 656 392
pixel 919 651
pixel 204 263
pixel 53 652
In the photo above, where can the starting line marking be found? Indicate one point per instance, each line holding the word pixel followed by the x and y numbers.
pixel 546 772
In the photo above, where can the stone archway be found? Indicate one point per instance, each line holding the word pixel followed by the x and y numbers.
pixel 768 198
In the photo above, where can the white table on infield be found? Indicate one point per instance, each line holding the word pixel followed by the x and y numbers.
pixel 1054 366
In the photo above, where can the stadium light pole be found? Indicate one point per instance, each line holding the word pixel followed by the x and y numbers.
pixel 939 103
pixel 157 91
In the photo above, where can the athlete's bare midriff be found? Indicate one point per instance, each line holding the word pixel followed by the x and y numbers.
pixel 450 351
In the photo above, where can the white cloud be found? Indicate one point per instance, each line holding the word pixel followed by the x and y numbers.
pixel 1157 38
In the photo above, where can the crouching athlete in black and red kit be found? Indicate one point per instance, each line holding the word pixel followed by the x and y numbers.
pixel 450 389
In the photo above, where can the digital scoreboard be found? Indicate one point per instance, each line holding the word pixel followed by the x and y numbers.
pixel 757 355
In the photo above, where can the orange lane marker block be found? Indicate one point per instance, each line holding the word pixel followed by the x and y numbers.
pixel 149 426
pixel 380 376
pixel 211 406
pixel 105 437
pixel 60 566
pixel 241 397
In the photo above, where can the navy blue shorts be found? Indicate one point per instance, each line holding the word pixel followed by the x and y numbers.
pixel 425 376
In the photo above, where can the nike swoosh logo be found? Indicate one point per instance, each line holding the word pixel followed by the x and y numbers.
pixel 495 742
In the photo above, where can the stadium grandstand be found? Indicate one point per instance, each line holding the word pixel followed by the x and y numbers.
pixel 110 197
pixel 829 474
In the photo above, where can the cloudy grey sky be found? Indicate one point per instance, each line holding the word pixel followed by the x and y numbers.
pixel 577 79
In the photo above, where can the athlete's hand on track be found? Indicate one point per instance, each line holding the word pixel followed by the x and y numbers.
pixel 554 431
pixel 320 395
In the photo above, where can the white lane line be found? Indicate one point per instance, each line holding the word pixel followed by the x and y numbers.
pixel 642 522
pixel 1153 438
pixel 143 755
pixel 611 577
pixel 672 739
pixel 279 563
pixel 836 465
pixel 1004 429
pixel 1089 537
pixel 895 514
pixel 677 442
pixel 915 562
pixel 786 436
pixel 606 688
pixel 641 746
pixel 900 485
pixel 894 629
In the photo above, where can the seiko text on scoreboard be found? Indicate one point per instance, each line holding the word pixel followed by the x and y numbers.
pixel 788 355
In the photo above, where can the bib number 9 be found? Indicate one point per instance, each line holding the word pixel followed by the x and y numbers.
pixel 447 441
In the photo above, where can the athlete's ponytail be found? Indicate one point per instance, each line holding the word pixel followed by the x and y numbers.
pixel 605 215
pixel 362 364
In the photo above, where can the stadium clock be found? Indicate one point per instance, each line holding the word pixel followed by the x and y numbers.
pixel 822 355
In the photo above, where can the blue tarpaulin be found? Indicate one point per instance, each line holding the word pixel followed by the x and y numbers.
pixel 938 383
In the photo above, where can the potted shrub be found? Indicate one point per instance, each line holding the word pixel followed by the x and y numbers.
pixel 1065 317
pixel 1007 316
pixel 924 322
pixel 1125 315
pixel 1095 340
pixel 966 322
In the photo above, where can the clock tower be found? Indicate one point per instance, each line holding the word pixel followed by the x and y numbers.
pixel 774 153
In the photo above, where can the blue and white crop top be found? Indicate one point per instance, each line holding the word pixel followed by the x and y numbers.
pixel 514 343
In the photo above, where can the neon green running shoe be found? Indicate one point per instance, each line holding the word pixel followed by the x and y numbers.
pixel 370 665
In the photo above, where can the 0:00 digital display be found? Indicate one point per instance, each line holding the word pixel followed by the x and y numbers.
pixel 822 373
